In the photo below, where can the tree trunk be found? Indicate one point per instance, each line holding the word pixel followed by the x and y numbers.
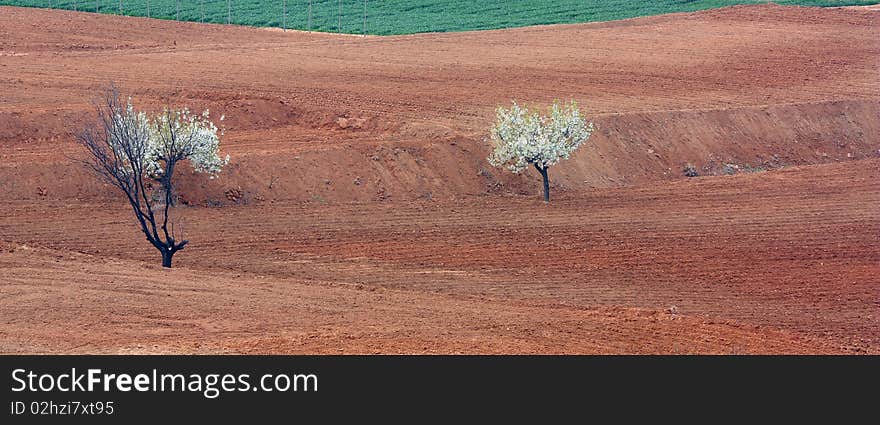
pixel 543 171
pixel 166 258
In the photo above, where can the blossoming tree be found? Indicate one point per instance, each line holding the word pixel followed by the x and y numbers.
pixel 521 137
pixel 138 155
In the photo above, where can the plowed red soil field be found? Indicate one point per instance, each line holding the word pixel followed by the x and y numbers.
pixel 358 214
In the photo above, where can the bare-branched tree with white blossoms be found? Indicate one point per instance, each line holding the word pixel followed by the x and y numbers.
pixel 521 137
pixel 139 154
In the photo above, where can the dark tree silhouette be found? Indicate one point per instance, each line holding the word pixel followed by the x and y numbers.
pixel 139 156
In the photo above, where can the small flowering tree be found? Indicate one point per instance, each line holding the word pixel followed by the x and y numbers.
pixel 138 155
pixel 521 137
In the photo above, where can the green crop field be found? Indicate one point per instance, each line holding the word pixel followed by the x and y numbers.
pixel 385 17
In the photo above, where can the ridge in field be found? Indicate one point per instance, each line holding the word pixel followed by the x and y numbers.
pixel 321 118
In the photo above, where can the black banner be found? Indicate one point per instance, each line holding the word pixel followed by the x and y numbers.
pixel 120 389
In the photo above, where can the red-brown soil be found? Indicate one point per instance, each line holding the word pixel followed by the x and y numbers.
pixel 794 252
pixel 406 116
pixel 57 302
pixel 369 220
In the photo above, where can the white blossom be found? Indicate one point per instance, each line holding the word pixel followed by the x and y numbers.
pixel 170 136
pixel 521 137
pixel 128 137
pixel 180 134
